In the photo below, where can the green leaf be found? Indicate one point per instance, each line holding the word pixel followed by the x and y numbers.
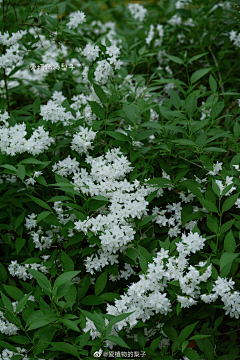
pixel 6 302
pixel 92 300
pixel 21 171
pixel 70 324
pixel 100 198
pixel 130 112
pixel 100 93
pixel 59 198
pixel 117 340
pixel 215 188
pixel 208 205
pixel 40 202
pixel 206 346
pixel 8 346
pixel 118 135
pixel 44 337
pixel 20 339
pixel 193 186
pixel 146 220
pixel 42 281
pixel 175 59
pixel 184 142
pixel 36 105
pixel 95 319
pixel 191 105
pixel 97 109
pixel 19 220
pixel 64 278
pixel 101 282
pixel 31 161
pixel 212 83
pixel 229 202
pixel 229 242
pixel 199 74
pixel 225 227
pixel 62 290
pixel 132 254
pixel 191 354
pixel 212 223
pixel 3 273
pixel 159 181
pixel 43 90
pixel 217 109
pixel 51 20
pixel 22 302
pixel 227 258
pixel 170 332
pixel 10 167
pixel 196 57
pixel 43 215
pixel 67 262
pixel 83 339
pixel 175 99
pixel 186 332
pixel 19 243
pixel 236 129
pixel 65 347
pixel 119 318
pixel 143 252
pixel 184 345
pixel 14 292
pixel 199 336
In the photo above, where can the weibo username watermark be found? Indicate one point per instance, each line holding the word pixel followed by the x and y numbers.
pixel 118 354
pixel 42 67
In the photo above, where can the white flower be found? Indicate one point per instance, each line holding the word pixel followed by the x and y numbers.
pixel 76 18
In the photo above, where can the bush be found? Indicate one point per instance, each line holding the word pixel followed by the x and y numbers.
pixel 119 165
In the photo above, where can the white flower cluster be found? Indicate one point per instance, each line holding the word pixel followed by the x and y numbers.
pixel 147 297
pixel 204 112
pixel 235 38
pixel 81 141
pixel 54 112
pixel 113 51
pixel 13 141
pixel 175 20
pixel 228 181
pixel 6 327
pixel 150 37
pixel 103 72
pixel 50 52
pixel 123 273
pixel 76 18
pixel 91 52
pixel 216 168
pixel 115 231
pixel 43 240
pixel 15 37
pixel 8 354
pixel 9 58
pixel 137 11
pixel 66 167
pixel 20 270
pixel 223 288
pixel 181 3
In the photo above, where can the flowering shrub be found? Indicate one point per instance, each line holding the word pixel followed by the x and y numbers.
pixel 119 180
